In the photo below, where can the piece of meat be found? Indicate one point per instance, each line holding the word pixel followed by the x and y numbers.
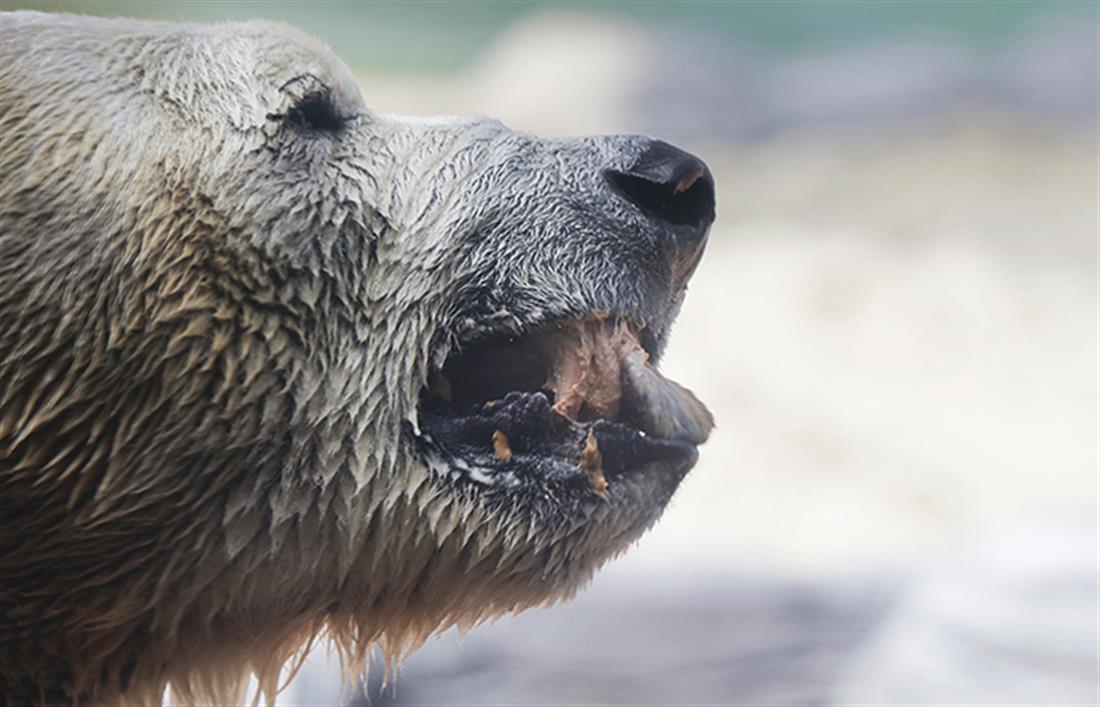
pixel 584 366
pixel 598 369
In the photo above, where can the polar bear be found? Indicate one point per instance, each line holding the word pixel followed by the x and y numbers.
pixel 275 366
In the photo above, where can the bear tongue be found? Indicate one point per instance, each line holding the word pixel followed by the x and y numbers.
pixel 659 406
pixel 599 370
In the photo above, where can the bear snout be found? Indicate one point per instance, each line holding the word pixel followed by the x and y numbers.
pixel 675 189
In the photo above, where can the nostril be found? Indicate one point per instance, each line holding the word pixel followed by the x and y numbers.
pixel 669 183
pixel 688 202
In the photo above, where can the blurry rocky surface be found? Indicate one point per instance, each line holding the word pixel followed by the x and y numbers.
pixel 1005 622
pixel 1012 622
pixel 640 639
pixel 647 641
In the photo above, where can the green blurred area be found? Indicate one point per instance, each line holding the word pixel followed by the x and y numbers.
pixel 444 35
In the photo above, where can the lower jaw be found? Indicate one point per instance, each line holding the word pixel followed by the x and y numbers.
pixel 519 441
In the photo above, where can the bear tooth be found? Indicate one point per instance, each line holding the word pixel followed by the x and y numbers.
pixel 501 447
pixel 591 460
pixel 592 465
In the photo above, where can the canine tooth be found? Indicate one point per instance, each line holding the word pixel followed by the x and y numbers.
pixel 500 446
pixel 592 465
pixel 598 483
pixel 591 460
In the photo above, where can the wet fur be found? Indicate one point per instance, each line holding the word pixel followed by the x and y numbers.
pixel 213 331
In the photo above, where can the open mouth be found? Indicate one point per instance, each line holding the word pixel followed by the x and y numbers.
pixel 574 405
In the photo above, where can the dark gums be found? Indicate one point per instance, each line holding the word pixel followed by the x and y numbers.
pixel 535 432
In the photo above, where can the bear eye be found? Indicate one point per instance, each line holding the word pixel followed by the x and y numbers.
pixel 315 113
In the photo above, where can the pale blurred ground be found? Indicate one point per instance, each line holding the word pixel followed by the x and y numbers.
pixel 895 325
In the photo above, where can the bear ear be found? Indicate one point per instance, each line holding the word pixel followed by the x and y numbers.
pixel 315 106
pixel 315 113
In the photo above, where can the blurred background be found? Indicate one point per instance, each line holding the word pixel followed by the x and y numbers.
pixel 895 326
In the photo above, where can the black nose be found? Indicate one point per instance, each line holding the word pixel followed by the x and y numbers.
pixel 670 184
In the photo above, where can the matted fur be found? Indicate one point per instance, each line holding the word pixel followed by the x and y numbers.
pixel 214 326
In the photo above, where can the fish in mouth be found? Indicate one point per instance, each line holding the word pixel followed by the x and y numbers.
pixel 573 407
